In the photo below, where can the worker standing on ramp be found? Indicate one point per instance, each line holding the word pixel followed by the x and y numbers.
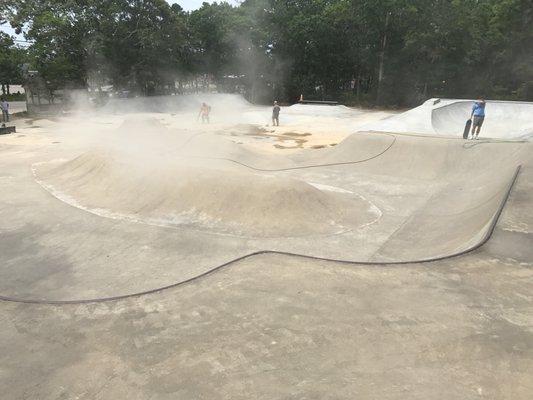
pixel 275 114
pixel 478 116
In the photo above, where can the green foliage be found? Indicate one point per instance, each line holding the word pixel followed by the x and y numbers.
pixel 11 60
pixel 386 52
pixel 135 44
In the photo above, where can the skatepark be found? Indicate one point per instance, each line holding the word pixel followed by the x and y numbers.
pixel 240 260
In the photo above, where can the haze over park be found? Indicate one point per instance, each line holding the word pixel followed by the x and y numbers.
pixel 266 199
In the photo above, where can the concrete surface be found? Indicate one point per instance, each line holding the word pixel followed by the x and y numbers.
pixel 17 107
pixel 269 326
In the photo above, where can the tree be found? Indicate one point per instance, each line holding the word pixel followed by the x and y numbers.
pixel 131 43
pixel 385 52
pixel 11 60
pixel 213 28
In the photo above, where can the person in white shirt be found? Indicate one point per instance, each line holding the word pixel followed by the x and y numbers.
pixel 4 105
pixel 275 114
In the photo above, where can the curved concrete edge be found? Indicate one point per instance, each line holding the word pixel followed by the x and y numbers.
pixel 217 268
pixel 306 166
pixel 309 166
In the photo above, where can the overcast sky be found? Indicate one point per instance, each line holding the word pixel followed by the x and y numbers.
pixel 185 4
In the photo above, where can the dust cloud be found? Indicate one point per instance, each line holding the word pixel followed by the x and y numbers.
pixel 153 161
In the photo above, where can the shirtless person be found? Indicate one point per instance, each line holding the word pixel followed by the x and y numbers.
pixel 4 105
pixel 204 113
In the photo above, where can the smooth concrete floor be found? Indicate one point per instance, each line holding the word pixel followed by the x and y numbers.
pixel 277 327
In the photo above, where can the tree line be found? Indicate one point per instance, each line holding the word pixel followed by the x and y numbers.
pixel 373 52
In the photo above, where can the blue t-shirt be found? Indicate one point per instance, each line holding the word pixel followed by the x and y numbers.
pixel 478 109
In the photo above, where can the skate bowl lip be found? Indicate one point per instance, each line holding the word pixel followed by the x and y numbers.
pixel 491 226
pixel 438 100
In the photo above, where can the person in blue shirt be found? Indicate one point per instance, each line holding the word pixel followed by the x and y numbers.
pixel 478 116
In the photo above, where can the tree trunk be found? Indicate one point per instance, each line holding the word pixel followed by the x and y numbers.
pixel 381 71
pixel 252 90
pixel 358 87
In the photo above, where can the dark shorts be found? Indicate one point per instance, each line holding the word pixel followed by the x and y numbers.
pixel 478 121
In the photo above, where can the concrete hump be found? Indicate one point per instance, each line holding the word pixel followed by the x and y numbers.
pixel 239 204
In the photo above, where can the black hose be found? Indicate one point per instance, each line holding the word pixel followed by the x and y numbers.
pixel 474 143
pixel 303 166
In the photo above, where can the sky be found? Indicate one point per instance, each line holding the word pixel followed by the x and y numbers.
pixel 187 5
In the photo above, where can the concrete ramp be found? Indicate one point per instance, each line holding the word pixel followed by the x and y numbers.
pixel 454 219
pixel 153 206
pixel 445 194
pixel 507 120
pixel 237 203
